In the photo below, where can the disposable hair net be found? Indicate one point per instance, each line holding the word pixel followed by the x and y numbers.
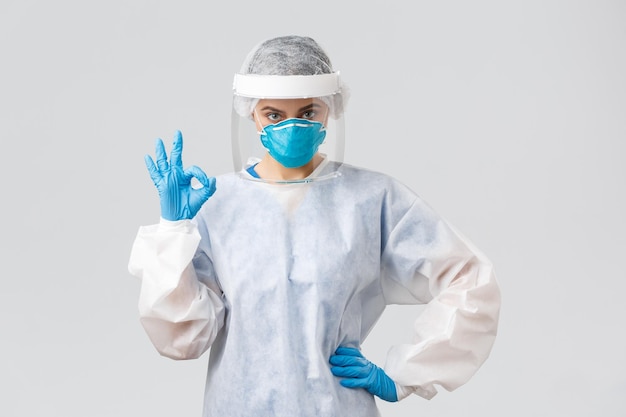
pixel 288 55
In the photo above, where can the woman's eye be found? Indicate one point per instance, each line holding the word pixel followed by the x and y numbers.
pixel 273 116
pixel 309 114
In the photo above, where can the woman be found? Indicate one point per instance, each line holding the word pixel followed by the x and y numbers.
pixel 283 267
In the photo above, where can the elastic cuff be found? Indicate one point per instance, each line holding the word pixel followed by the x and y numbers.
pixel 174 225
pixel 404 391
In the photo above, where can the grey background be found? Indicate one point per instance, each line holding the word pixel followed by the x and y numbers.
pixel 507 117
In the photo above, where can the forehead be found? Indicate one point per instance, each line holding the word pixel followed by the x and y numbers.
pixel 291 104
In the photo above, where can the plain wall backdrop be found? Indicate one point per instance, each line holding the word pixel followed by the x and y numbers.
pixel 508 117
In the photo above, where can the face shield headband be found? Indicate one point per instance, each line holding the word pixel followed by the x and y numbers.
pixel 286 86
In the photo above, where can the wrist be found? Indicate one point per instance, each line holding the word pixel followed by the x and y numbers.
pixel 173 225
pixel 402 392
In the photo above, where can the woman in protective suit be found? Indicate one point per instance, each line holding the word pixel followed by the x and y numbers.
pixel 283 267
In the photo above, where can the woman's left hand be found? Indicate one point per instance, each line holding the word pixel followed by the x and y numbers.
pixel 358 372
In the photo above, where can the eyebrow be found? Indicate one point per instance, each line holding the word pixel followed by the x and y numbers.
pixel 309 107
pixel 305 108
pixel 274 109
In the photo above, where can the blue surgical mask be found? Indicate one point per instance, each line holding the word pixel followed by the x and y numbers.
pixel 293 142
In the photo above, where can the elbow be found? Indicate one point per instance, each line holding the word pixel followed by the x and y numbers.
pixel 476 296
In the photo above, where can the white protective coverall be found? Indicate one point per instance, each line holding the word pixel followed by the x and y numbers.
pixel 274 277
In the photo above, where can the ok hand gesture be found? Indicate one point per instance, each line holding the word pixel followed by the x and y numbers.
pixel 179 200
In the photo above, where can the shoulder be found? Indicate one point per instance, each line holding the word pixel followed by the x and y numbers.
pixel 364 178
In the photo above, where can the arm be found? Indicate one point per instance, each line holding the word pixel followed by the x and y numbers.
pixel 426 261
pixel 181 315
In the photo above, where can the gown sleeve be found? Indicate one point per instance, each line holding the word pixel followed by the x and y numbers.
pixel 181 315
pixel 426 261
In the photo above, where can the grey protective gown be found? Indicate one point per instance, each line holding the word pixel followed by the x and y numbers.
pixel 273 278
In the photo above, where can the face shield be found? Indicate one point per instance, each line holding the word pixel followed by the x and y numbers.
pixel 291 118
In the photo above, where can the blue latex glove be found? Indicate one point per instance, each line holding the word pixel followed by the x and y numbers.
pixel 179 200
pixel 361 373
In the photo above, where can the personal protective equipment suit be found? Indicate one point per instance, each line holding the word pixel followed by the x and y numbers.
pixel 273 277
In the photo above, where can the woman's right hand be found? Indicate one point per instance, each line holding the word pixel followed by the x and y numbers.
pixel 179 200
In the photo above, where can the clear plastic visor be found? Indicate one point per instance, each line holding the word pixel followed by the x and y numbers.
pixel 256 110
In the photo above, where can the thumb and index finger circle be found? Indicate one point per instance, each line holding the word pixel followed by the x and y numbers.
pixel 208 183
pixel 175 160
